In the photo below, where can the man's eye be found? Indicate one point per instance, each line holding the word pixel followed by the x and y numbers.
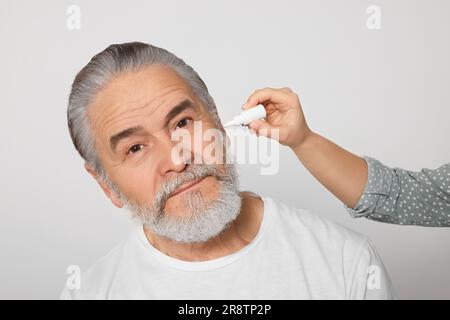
pixel 183 122
pixel 134 149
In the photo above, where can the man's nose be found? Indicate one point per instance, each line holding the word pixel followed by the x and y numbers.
pixel 173 157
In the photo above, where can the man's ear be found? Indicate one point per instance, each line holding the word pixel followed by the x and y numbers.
pixel 106 189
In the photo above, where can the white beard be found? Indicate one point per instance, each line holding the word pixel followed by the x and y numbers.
pixel 206 220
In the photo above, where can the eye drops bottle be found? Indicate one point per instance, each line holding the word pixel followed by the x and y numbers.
pixel 247 116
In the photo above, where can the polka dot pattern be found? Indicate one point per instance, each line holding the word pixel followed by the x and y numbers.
pixel 398 196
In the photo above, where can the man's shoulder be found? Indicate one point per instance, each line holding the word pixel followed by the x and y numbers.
pixel 324 247
pixel 306 224
pixel 96 280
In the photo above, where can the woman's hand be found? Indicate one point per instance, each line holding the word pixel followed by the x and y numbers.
pixel 340 171
pixel 284 112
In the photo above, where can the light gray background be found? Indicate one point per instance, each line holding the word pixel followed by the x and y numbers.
pixel 381 93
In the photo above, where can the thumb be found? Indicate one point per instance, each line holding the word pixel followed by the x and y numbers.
pixel 261 127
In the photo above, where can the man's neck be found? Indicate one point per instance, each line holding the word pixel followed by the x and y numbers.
pixel 239 234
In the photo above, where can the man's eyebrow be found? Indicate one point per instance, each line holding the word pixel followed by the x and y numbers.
pixel 183 105
pixel 180 107
pixel 114 140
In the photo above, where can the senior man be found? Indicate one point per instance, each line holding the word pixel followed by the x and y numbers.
pixel 198 236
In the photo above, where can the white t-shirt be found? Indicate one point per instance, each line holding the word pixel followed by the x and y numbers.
pixel 295 255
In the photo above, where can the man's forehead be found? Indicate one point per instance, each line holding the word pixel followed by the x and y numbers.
pixel 136 87
pixel 148 91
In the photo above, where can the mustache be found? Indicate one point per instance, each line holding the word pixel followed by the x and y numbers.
pixel 192 172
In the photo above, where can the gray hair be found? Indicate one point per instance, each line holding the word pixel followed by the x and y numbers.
pixel 114 60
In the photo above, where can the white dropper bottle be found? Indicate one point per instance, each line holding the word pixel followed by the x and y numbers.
pixel 247 116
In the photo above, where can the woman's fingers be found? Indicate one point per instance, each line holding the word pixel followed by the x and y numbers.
pixel 259 124
pixel 261 127
pixel 265 95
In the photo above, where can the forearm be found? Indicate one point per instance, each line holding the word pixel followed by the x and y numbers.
pixel 341 172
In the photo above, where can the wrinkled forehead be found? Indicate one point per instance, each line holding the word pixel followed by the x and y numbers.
pixel 136 95
pixel 150 86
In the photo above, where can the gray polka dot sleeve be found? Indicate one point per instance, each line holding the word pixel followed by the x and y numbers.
pixel 404 197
